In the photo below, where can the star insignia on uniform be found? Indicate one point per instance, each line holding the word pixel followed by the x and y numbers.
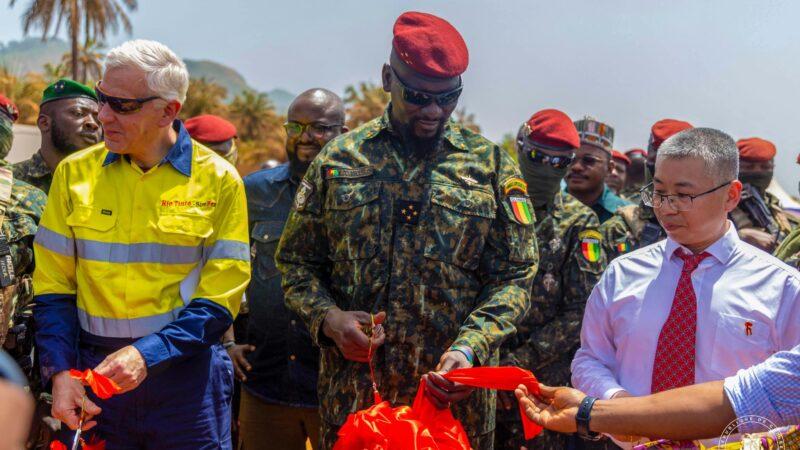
pixel 59 86
pixel 407 211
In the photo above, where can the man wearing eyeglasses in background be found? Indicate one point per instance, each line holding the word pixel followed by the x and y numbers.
pixel 587 175
pixel 635 226
pixel 142 260
pixel 276 360
pixel 67 122
pixel 412 241
pixel 571 261
pixel 695 307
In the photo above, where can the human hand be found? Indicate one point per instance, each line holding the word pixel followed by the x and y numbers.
pixel 442 391
pixel 238 354
pixel 554 409
pixel 126 367
pixel 759 238
pixel 352 331
pixel 68 396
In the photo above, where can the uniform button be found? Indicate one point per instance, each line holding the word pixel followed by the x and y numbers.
pixel 265 237
pixel 294 322
pixel 292 357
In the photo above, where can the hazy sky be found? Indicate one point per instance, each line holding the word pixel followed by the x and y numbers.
pixel 733 65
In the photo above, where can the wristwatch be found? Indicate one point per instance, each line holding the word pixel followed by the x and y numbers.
pixel 583 417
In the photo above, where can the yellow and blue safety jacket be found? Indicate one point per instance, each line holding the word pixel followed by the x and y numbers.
pixel 158 258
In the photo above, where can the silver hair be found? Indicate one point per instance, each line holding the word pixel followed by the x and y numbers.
pixel 715 148
pixel 165 73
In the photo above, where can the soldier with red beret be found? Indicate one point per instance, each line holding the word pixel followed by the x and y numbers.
pixel 759 217
pixel 412 242
pixel 635 175
pixel 8 115
pixel 619 173
pixel 215 133
pixel 635 226
pixel 571 262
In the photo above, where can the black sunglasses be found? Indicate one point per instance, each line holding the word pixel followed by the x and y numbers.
pixel 557 162
pixel 420 98
pixel 121 105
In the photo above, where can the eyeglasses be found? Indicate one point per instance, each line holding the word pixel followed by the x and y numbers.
pixel 678 202
pixel 121 105
pixel 421 98
pixel 315 129
pixel 557 162
pixel 586 161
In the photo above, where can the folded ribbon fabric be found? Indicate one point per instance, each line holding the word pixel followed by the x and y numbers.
pixel 424 427
pixel 102 386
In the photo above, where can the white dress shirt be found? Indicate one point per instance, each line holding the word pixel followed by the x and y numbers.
pixel 748 307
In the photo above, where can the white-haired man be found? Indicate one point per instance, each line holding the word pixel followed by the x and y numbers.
pixel 695 307
pixel 142 259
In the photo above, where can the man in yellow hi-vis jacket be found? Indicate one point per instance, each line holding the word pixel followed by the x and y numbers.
pixel 142 259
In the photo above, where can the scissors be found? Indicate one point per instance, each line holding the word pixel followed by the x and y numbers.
pixel 77 440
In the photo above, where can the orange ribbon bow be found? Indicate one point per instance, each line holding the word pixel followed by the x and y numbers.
pixel 423 426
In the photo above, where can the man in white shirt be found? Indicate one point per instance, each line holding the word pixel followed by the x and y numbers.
pixel 696 307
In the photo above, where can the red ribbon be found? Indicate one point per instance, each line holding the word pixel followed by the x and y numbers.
pixel 102 386
pixel 423 426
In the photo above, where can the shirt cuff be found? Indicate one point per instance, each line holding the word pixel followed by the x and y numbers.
pixel 153 350
pixel 608 394
pixel 476 342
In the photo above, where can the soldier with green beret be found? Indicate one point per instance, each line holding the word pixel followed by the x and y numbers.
pixel 67 122
pixel 418 225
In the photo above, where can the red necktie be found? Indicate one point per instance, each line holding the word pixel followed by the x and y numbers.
pixel 675 354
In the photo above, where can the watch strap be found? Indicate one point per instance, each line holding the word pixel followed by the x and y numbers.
pixel 583 417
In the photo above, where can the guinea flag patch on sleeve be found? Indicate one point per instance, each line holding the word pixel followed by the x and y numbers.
pixel 590 244
pixel 522 212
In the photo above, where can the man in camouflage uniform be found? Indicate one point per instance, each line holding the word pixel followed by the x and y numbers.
pixel 420 223
pixel 21 205
pixel 636 175
pixel 759 218
pixel 571 262
pixel 634 226
pixel 67 122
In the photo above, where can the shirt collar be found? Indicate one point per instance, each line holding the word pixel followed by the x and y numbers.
pixel 722 249
pixel 38 168
pixel 180 155
pixel 452 130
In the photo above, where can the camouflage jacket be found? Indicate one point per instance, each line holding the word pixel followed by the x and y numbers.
pixel 432 241
pixel 631 227
pixel 789 249
pixel 784 222
pixel 20 223
pixel 571 262
pixel 34 171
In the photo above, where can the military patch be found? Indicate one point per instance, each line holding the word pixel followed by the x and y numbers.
pixel 468 180
pixel 515 185
pixel 303 194
pixel 407 211
pixel 590 244
pixel 358 172
pixel 623 246
pixel 519 205
pixel 549 282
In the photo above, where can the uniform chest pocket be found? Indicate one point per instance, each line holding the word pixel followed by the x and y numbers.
pixel 185 229
pixel 266 235
pixel 353 220
pixel 94 243
pixel 739 342
pixel 458 224
pixel 90 222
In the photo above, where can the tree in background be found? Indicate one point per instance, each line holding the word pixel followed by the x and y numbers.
pixel 466 120
pixel 204 97
pixel 509 144
pixel 364 103
pixel 90 61
pixel 260 130
pixel 95 17
pixel 25 91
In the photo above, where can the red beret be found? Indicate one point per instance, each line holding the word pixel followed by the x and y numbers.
pixel 755 149
pixel 430 45
pixel 210 128
pixel 552 129
pixel 636 151
pixel 8 108
pixel 663 130
pixel 616 154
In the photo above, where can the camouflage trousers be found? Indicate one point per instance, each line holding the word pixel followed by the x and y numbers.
pixel 329 435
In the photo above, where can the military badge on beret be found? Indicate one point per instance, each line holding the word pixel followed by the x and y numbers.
pixel 303 194
pixel 590 244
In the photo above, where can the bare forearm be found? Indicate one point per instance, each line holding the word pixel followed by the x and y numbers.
pixel 693 412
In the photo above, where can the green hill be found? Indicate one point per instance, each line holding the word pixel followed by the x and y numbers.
pixel 31 54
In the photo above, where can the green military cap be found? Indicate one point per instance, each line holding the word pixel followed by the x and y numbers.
pixel 66 88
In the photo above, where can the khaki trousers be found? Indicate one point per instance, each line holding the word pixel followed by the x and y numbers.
pixel 267 426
